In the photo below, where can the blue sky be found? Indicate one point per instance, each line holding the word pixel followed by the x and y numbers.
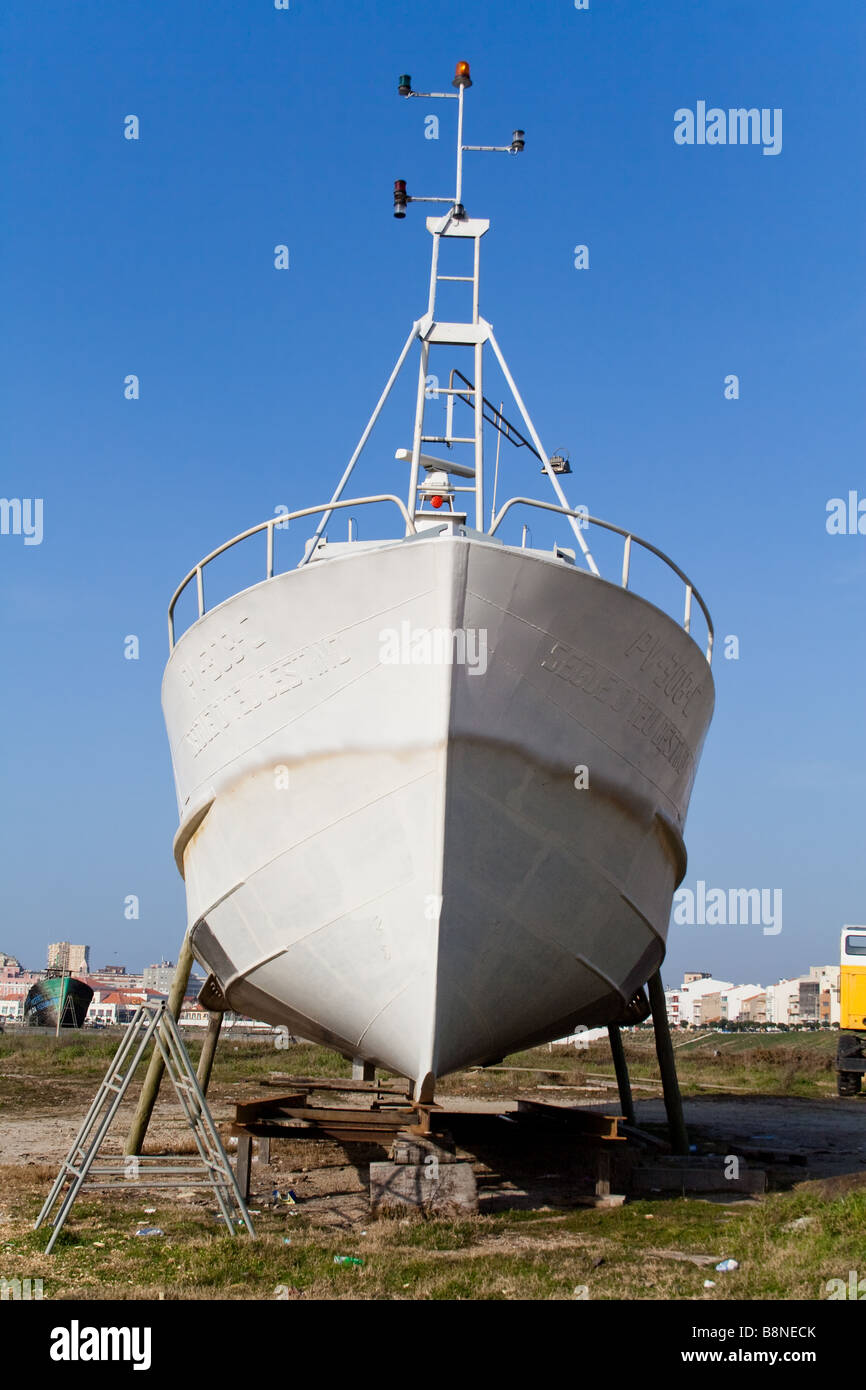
pixel 155 257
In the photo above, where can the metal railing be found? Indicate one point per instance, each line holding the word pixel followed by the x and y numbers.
pixel 629 539
pixel 282 520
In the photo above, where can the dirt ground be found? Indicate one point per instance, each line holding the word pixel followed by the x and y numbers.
pixel 829 1134
pixel 826 1140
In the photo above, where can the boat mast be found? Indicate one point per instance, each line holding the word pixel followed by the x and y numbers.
pixel 474 332
pixel 438 490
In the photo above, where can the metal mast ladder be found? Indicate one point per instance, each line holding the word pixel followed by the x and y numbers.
pixel 212 1167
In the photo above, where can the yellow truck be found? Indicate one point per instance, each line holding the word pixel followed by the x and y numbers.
pixel 850 1057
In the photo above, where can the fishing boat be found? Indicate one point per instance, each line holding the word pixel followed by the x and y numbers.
pixel 432 785
pixel 57 1000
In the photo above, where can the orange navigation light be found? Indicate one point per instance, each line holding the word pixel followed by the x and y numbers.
pixel 436 501
pixel 461 76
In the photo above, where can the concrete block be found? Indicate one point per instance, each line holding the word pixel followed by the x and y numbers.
pixel 429 1189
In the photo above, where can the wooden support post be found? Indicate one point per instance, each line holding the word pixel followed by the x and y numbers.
pixel 209 1047
pixel 602 1173
pixel 243 1164
pixel 362 1071
pixel 263 1150
pixel 150 1088
pixel 620 1066
pixel 667 1066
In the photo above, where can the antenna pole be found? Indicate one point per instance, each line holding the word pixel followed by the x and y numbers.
pixel 479 437
pixel 459 195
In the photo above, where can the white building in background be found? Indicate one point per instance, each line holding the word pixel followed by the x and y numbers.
pixel 672 1004
pixel 192 1015
pixel 159 977
pixel 780 998
pixel 11 1008
pixel 798 1001
pixel 828 979
pixel 810 998
pixel 733 1000
pixel 691 994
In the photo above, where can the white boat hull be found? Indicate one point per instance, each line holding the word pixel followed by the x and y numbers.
pixel 392 857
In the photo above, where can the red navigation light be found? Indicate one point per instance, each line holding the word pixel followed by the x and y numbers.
pixel 436 501
pixel 401 198
pixel 461 76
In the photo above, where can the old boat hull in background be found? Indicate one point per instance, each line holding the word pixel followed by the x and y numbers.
pixel 56 997
pixel 399 856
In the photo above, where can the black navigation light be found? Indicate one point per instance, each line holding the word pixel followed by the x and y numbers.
pixel 558 462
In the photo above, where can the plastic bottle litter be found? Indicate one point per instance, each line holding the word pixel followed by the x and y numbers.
pixel 725 1266
pixel 150 1231
pixel 348 1260
pixel 709 1283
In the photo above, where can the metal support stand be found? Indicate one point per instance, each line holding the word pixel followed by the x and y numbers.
pixel 667 1066
pixel 620 1066
pixel 212 1169
pixel 208 1051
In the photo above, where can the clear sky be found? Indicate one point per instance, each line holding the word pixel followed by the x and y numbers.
pixel 155 257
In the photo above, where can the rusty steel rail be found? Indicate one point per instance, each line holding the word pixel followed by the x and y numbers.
pixel 293 1116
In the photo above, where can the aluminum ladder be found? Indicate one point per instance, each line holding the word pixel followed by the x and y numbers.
pixel 210 1169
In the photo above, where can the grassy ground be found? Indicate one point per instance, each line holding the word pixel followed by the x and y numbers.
pixel 778 1064
pixel 635 1252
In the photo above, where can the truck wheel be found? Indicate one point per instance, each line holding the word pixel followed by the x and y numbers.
pixel 848 1082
